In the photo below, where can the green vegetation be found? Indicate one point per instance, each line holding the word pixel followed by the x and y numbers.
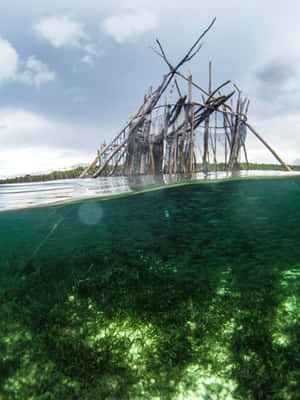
pixel 143 329
pixel 187 293
pixel 267 167
pixel 66 174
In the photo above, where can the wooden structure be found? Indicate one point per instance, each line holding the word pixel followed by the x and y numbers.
pixel 180 133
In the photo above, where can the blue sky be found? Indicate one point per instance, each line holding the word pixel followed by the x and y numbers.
pixel 71 73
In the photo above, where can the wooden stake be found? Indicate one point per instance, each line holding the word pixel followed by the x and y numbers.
pixel 191 166
pixel 268 146
pixel 206 130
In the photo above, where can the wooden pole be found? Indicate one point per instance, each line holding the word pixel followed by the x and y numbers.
pixel 175 161
pixel 191 166
pixel 165 133
pixel 120 134
pixel 236 133
pixel 268 146
pixel 206 130
pixel 191 112
pixel 246 157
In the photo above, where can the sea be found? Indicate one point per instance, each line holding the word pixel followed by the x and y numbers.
pixel 171 288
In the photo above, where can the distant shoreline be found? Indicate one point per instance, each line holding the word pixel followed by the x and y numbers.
pixel 51 176
pixel 75 173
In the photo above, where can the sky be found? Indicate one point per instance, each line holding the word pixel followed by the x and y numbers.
pixel 72 72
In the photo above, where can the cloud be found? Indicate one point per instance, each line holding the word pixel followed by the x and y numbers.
pixel 91 54
pixel 36 160
pixel 276 73
pixel 39 143
pixel 36 73
pixel 8 61
pixel 128 25
pixel 31 129
pixel 281 132
pixel 273 87
pixel 61 31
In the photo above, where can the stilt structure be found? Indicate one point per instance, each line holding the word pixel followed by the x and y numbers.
pixel 181 136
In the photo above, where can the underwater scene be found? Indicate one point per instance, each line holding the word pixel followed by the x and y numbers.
pixel 191 291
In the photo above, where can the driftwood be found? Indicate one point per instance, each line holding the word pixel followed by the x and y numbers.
pixel 184 134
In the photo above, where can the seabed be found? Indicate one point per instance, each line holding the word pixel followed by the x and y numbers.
pixel 187 292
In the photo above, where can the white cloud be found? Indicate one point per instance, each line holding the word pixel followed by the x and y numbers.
pixel 62 31
pixel 35 160
pixel 37 143
pixel 25 128
pixel 91 54
pixel 8 61
pixel 36 73
pixel 129 25
pixel 281 133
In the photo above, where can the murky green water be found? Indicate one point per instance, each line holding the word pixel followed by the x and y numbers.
pixel 190 292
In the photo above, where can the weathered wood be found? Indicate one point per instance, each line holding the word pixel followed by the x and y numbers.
pixel 246 157
pixel 214 142
pixel 165 134
pixel 156 96
pixel 205 160
pixel 235 135
pixel 171 147
pixel 93 163
pixel 268 146
pixel 191 166
pixel 117 163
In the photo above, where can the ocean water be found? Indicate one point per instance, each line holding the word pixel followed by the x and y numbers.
pixel 188 291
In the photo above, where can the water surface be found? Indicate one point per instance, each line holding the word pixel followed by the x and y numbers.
pixel 24 195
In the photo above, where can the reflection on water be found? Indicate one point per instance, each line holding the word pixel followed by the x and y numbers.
pixel 23 195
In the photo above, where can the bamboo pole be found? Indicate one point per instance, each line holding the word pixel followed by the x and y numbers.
pixel 152 158
pixel 191 166
pixel 175 162
pixel 246 157
pixel 206 130
pixel 117 163
pixel 147 110
pixel 235 135
pixel 172 152
pixel 133 155
pixel 191 119
pixel 215 142
pixel 99 155
pixel 165 133
pixel 268 146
